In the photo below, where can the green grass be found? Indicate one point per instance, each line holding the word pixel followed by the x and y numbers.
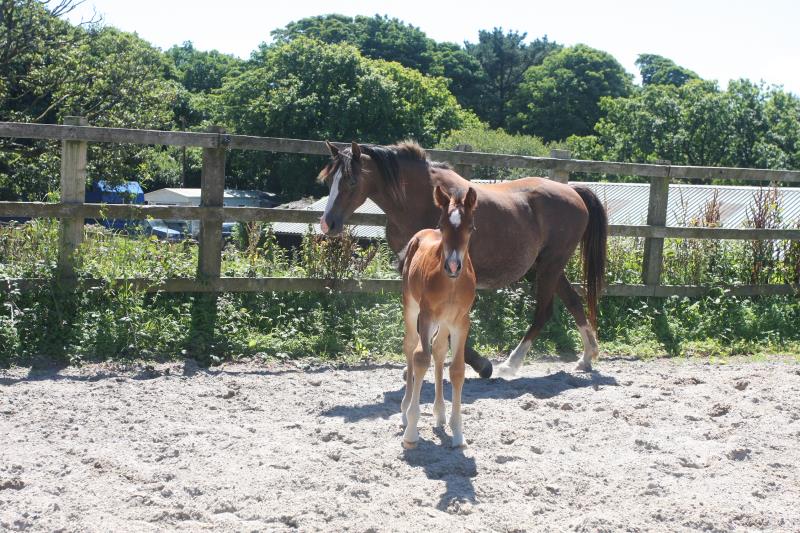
pixel 116 322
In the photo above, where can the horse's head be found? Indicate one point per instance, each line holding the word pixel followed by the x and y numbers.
pixel 347 190
pixel 456 225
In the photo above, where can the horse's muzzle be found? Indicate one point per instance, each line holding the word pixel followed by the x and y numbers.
pixel 452 266
pixel 334 227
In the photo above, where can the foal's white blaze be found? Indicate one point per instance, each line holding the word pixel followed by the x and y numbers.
pixel 455 218
pixel 511 365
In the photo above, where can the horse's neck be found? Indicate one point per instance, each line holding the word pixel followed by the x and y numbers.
pixel 417 210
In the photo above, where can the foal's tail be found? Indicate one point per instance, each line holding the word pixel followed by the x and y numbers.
pixel 593 249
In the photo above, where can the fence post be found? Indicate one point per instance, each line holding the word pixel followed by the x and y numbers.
pixel 73 191
pixel 557 174
pixel 465 171
pixel 656 216
pixel 212 192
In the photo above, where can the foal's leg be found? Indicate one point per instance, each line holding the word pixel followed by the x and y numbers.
pixel 421 361
pixel 410 341
pixel 547 274
pixel 440 345
pixel 573 303
pixel 458 336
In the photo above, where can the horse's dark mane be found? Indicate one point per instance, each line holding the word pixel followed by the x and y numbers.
pixel 387 159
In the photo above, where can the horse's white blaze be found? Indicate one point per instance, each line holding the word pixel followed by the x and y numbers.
pixel 514 361
pixel 455 218
pixel 334 192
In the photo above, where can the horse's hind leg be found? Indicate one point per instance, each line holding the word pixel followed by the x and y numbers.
pixel 440 346
pixel 421 360
pixel 573 303
pixel 410 341
pixel 479 364
pixel 547 274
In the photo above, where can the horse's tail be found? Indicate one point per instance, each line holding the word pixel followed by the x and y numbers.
pixel 593 249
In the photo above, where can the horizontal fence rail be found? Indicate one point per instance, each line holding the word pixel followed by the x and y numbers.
pixel 278 284
pixel 215 143
pixel 299 146
pixel 303 216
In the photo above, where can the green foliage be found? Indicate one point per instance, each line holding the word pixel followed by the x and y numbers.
pixel 561 96
pixel 504 57
pixel 306 89
pixel 658 70
pixel 116 321
pixel 482 139
pixel 747 125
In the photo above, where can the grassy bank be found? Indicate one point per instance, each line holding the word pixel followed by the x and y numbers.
pixel 118 322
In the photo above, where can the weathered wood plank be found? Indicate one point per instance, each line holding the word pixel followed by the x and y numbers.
pixel 263 214
pixel 112 135
pixel 300 146
pixel 559 174
pixel 226 284
pixel 212 191
pixel 656 216
pixel 73 191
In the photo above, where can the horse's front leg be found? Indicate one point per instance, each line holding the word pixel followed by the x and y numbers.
pixel 440 346
pixel 421 360
pixel 410 341
pixel 458 336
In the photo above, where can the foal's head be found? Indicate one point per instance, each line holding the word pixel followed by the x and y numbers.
pixel 456 225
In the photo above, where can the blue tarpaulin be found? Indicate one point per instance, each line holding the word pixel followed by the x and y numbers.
pixel 102 192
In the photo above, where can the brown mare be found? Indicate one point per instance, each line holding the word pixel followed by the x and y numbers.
pixel 438 291
pixel 529 224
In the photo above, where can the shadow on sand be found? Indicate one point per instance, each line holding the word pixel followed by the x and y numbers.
pixel 441 462
pixel 541 387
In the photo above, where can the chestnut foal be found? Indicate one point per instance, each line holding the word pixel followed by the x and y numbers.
pixel 438 291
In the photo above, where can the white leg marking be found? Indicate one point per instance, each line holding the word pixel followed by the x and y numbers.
pixel 590 348
pixel 512 364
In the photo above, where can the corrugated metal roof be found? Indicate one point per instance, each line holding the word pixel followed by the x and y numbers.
pixel 627 204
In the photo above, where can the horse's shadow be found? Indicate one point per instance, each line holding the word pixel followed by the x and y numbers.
pixel 441 462
pixel 541 387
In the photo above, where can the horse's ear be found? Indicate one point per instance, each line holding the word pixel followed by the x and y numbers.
pixel 470 199
pixel 441 197
pixel 355 150
pixel 332 149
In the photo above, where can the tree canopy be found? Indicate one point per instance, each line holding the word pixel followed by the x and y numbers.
pixel 561 97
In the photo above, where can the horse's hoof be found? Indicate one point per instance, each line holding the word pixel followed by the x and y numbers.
pixel 583 367
pixel 506 371
pixel 409 445
pixel 486 371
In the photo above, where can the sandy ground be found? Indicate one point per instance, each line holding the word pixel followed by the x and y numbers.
pixel 638 446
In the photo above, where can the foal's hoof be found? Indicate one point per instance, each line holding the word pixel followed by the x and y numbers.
pixel 583 367
pixel 408 445
pixel 458 442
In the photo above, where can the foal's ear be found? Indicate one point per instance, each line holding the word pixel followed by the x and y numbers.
pixel 332 149
pixel 441 197
pixel 470 199
pixel 356 150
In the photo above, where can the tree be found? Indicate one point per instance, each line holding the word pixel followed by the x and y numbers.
pixel 747 125
pixel 307 89
pixel 200 71
pixel 658 70
pixel 561 97
pixel 52 69
pixel 504 58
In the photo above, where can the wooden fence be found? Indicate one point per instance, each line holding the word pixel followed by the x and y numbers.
pixel 75 135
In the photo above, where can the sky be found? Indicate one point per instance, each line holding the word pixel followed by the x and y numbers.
pixel 720 40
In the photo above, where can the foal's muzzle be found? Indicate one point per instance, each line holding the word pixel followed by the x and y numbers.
pixel 452 264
